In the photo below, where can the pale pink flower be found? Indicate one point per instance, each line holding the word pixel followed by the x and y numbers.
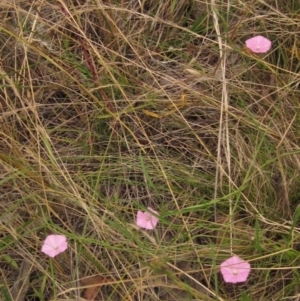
pixel 146 220
pixel 235 269
pixel 259 44
pixel 54 244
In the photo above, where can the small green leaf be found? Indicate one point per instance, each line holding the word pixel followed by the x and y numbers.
pixel 10 261
pixel 5 294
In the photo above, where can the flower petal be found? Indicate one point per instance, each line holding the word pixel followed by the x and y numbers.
pixel 50 239
pixel 146 220
pixel 60 239
pixel 140 219
pixel 63 247
pixel 259 44
pixel 152 210
pixel 54 245
pixel 235 269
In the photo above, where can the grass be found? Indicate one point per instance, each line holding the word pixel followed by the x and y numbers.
pixel 110 107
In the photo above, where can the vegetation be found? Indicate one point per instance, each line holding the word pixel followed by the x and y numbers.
pixel 109 107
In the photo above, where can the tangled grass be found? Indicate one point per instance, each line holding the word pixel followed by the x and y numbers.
pixel 108 107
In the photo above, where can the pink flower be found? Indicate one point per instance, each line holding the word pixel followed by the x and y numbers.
pixel 235 269
pixel 54 244
pixel 259 44
pixel 146 220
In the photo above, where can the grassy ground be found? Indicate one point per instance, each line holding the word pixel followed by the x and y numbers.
pixel 108 107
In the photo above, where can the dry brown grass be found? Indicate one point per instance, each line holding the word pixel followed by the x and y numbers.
pixel 108 107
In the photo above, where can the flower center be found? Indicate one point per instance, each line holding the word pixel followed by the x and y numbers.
pixel 55 247
pixel 234 272
pixel 147 218
pixel 257 47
